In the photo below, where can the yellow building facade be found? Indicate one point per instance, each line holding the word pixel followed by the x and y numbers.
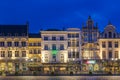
pixel 34 57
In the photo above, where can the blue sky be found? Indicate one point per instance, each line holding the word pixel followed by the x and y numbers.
pixel 43 14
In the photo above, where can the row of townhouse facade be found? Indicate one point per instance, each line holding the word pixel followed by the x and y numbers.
pixel 56 50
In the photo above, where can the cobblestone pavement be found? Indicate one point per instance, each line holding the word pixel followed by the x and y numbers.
pixel 60 78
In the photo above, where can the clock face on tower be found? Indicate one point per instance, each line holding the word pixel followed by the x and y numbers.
pixel 54 52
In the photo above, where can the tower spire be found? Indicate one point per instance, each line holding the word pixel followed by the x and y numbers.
pixel 109 22
pixel 89 17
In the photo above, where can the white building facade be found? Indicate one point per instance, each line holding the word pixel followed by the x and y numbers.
pixel 54 46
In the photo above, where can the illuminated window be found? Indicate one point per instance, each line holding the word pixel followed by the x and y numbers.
pixel 74 44
pixel 30 51
pixel 9 53
pixel 16 53
pixel 9 44
pixel 103 55
pixel 116 54
pixel 116 44
pixel 2 53
pixel 23 53
pixel 103 44
pixel 110 44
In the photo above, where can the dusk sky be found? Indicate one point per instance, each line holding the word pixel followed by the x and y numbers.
pixel 43 14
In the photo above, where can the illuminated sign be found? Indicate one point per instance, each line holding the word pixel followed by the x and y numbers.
pixel 91 62
pixel 54 52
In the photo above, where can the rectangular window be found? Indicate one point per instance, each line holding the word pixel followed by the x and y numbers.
pixel 9 53
pixel 2 44
pixel 110 54
pixel 69 35
pixel 2 53
pixel 9 44
pixel 53 38
pixel 69 54
pixel 54 56
pixel 39 44
pixel 116 54
pixel 77 54
pixel 110 44
pixel 39 52
pixel 30 44
pixel 53 46
pixel 34 44
pixel 73 54
pixel 69 44
pixel 103 44
pixel 16 53
pixel 103 55
pixel 61 38
pixel 77 35
pixel 61 47
pixel 23 44
pixel 77 45
pixel 23 53
pixel 46 47
pixel 30 52
pixel 73 35
pixel 116 44
pixel 35 51
pixel 45 38
pixel 74 44
pixel 16 44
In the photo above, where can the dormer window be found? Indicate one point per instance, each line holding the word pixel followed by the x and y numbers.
pixel 110 34
pixel 114 36
pixel 105 35
pixel 16 34
pixel 9 34
pixel 23 34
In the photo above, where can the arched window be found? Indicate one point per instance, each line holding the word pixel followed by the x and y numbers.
pixel 110 34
